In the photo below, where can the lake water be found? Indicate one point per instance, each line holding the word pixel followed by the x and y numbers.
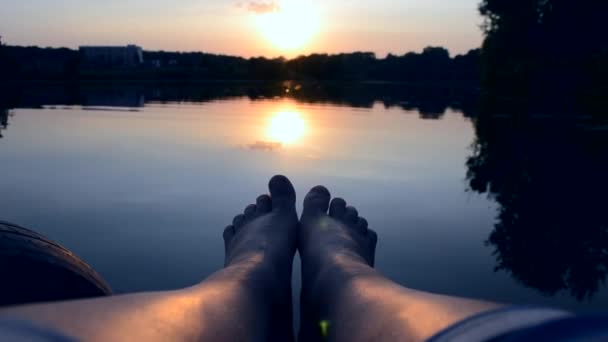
pixel 141 182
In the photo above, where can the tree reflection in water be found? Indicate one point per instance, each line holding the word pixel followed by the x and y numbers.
pixel 4 114
pixel 550 178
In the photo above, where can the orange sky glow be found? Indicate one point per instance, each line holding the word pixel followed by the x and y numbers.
pixel 247 28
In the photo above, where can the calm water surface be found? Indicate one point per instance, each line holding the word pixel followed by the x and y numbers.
pixel 143 193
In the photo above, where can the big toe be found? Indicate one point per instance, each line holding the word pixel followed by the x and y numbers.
pixel 317 200
pixel 282 193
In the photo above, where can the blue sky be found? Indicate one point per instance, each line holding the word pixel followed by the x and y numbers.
pixel 229 26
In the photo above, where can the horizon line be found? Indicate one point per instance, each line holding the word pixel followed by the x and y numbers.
pixel 244 57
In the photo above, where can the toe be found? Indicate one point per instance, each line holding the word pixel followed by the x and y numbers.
pixel 264 204
pixel 373 237
pixel 250 211
pixel 362 225
pixel 317 200
pixel 351 215
pixel 238 222
pixel 373 241
pixel 229 233
pixel 337 208
pixel 282 193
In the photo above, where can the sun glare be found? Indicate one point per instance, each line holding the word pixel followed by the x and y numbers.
pixel 286 127
pixel 291 26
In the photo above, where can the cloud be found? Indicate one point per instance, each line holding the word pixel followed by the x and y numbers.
pixel 266 146
pixel 261 7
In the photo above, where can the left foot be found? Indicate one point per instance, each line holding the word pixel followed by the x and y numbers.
pixel 267 231
pixel 260 246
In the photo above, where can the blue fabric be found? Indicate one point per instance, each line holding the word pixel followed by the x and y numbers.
pixel 527 324
pixel 576 329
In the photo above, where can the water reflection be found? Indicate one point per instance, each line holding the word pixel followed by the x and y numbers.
pixel 549 177
pixel 131 97
pixel 286 127
pixel 431 102
pixel 4 114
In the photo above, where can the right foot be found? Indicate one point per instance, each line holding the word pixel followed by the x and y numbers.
pixel 329 243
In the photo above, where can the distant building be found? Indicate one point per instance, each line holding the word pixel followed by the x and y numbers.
pixel 112 56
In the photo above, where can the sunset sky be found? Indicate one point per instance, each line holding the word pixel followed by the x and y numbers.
pixel 246 28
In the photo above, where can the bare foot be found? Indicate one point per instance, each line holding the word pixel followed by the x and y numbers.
pixel 329 244
pixel 263 239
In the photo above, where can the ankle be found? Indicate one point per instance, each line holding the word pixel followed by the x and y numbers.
pixel 260 280
pixel 336 273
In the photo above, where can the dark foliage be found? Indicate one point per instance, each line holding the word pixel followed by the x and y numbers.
pixel 550 53
pixel 432 65
pixel 38 63
pixel 8 66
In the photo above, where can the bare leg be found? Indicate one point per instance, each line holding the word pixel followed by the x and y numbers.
pixel 249 300
pixel 345 299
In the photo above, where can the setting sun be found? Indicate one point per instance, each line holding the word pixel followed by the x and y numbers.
pixel 286 127
pixel 291 25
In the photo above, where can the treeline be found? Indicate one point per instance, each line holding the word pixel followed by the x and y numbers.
pixel 434 64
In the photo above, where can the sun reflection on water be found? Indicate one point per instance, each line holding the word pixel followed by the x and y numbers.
pixel 286 127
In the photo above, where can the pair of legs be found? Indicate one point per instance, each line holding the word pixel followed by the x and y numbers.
pixel 343 297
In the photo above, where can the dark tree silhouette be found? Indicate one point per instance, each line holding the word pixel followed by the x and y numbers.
pixel 551 53
pixel 7 65
pixel 433 65
pixel 26 63
pixel 549 178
